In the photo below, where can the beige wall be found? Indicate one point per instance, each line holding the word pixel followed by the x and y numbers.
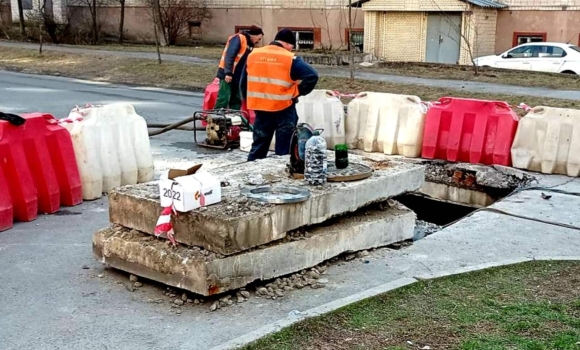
pixel 396 36
pixel 480 32
pixel 559 26
pixel 542 4
pixel 331 22
pixel 415 5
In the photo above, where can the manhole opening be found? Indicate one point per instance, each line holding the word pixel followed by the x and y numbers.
pixel 434 211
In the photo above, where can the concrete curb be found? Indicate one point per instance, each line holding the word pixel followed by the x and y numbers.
pixel 467 269
pixel 317 311
pixel 384 288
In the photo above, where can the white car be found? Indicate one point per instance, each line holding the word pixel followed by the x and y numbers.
pixel 538 56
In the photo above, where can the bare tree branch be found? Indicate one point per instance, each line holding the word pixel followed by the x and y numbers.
pixel 121 21
pixel 175 16
pixel 93 7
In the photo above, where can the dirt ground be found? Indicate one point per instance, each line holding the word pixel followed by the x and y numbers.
pixel 195 77
pixel 421 70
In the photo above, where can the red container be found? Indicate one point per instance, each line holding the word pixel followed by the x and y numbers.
pixel 39 169
pixel 210 98
pixel 16 172
pixel 468 130
pixel 63 160
pixel 6 210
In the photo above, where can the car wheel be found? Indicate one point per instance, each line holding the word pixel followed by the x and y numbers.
pixel 568 72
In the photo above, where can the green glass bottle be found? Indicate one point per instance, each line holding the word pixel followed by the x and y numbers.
pixel 341 156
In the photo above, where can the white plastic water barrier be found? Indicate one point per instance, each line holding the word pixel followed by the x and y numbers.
pixel 322 109
pixel 548 141
pixel 111 146
pixel 387 123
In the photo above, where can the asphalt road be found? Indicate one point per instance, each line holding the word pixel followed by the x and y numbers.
pixel 55 295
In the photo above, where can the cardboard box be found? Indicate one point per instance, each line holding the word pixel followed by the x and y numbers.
pixel 189 189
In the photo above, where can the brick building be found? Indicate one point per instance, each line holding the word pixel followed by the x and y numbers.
pixel 450 31
pixel 537 20
pixel 441 31
pixel 444 31
pixel 317 23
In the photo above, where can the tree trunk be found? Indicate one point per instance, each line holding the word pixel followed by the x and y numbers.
pixel 161 25
pixel 122 22
pixel 40 34
pixel 21 17
pixel 41 20
pixel 95 30
pixel 351 51
pixel 156 12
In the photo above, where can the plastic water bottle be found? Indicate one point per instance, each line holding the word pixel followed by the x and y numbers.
pixel 315 163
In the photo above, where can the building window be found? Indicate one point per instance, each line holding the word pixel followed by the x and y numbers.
pixel 306 38
pixel 195 30
pixel 27 4
pixel 523 38
pixel 357 39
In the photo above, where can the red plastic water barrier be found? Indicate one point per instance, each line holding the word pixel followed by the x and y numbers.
pixel 210 98
pixel 39 167
pixel 17 177
pixel 6 209
pixel 468 130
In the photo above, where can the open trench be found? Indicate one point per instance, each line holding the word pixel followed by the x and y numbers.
pixel 453 191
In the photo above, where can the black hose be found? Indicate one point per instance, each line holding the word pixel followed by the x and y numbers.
pixel 179 126
pixel 168 127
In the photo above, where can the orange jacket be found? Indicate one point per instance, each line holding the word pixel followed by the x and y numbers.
pixel 270 87
pixel 241 52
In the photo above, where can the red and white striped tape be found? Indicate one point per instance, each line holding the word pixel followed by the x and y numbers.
pixel 164 225
pixel 341 95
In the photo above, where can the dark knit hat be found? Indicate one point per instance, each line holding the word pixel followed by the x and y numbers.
pixel 286 36
pixel 255 30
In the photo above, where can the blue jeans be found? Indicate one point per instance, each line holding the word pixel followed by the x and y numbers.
pixel 266 124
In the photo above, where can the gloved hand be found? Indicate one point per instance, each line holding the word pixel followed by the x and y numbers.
pixel 12 118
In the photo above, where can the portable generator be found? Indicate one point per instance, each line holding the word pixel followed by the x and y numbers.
pixel 223 127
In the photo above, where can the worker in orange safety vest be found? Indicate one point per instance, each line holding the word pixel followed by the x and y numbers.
pixel 234 56
pixel 271 83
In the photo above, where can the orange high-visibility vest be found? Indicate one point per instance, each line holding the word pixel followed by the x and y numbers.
pixel 270 87
pixel 243 48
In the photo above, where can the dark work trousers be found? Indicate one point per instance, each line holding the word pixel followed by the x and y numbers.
pixel 281 123
pixel 228 96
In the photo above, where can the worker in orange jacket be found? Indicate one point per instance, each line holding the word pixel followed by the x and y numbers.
pixel 271 83
pixel 234 56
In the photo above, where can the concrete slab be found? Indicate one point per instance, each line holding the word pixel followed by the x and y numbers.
pixel 459 195
pixel 560 208
pixel 238 224
pixel 205 273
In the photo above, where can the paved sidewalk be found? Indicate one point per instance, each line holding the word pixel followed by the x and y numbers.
pixel 334 72
pixel 47 293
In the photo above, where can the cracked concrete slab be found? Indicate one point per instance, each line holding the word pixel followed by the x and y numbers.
pixel 210 274
pixel 236 223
